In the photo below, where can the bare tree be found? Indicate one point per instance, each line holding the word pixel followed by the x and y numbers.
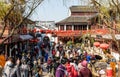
pixel 17 13
pixel 108 15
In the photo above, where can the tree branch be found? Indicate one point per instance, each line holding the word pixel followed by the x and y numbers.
pixel 5 21
pixel 117 6
pixel 20 23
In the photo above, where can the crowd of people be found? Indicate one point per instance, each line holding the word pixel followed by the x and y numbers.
pixel 56 60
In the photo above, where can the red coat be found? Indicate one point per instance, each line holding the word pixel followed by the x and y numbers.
pixel 74 72
pixel 68 68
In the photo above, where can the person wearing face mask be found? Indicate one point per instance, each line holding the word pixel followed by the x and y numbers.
pixel 84 70
pixel 61 70
pixel 11 69
pixel 9 65
pixel 25 69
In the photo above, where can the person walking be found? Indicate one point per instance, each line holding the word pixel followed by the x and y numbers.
pixel 25 69
pixel 84 71
pixel 69 69
pixel 61 70
pixel 56 63
pixel 16 70
pixel 49 65
pixel 11 69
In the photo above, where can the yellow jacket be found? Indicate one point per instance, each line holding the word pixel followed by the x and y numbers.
pixel 2 60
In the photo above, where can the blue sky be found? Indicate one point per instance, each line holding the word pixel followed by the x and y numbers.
pixel 55 10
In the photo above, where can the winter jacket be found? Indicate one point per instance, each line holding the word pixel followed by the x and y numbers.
pixel 7 68
pixel 61 71
pixel 88 58
pixel 85 72
pixel 10 70
pixel 69 69
pixel 74 72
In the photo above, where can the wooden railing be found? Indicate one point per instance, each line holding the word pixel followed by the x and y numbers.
pixel 81 32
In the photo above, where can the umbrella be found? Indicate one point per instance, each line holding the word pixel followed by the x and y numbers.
pixel 97 44
pixel 104 46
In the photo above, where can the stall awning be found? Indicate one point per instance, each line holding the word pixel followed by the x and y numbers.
pixel 108 36
pixel 117 36
pixel 25 37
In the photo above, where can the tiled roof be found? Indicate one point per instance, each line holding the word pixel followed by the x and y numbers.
pixel 83 9
pixel 77 19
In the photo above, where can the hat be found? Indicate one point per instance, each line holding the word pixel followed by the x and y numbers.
pixel 84 63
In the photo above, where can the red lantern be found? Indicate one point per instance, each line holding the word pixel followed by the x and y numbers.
pixel 31 40
pixel 104 46
pixel 36 40
pixel 34 30
pixel 48 31
pixel 41 30
pixel 97 44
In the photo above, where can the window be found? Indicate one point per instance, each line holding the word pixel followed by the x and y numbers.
pixel 61 27
pixel 75 27
pixel 68 27
pixel 80 27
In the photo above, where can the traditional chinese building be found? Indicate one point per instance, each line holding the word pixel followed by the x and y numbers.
pixel 85 20
pixel 82 19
